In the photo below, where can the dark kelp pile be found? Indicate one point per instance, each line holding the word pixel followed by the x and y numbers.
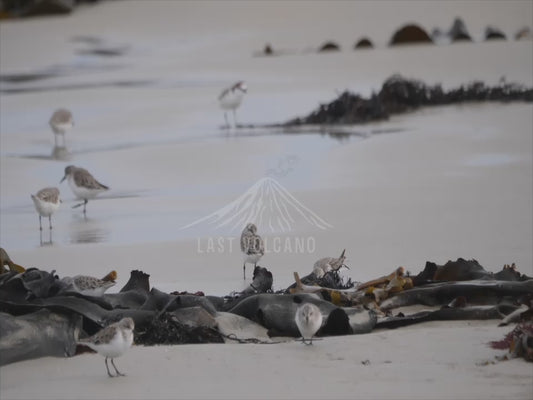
pixel 399 95
pixel 34 300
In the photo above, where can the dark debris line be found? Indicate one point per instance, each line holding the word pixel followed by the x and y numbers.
pixel 399 95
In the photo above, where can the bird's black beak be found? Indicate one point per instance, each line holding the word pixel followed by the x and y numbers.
pixel 63 179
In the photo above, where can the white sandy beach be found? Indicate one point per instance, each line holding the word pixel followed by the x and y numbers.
pixel 436 184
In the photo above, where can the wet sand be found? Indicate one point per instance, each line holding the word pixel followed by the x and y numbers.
pixel 443 183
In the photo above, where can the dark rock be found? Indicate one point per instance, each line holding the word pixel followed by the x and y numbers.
pixel 364 43
pixel 268 49
pixel 492 33
pixel 329 46
pixel 410 34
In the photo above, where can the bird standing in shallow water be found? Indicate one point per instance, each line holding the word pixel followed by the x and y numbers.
pixel 60 122
pixel 252 246
pixel 231 99
pixel 83 185
pixel 112 342
pixel 46 203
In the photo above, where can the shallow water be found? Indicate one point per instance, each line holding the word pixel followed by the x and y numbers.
pixel 148 125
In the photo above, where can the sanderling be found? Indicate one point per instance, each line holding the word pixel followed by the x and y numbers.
pixel 308 318
pixel 231 98
pixel 46 202
pixel 327 264
pixel 60 122
pixel 83 184
pixel 252 246
pixel 112 341
pixel 90 286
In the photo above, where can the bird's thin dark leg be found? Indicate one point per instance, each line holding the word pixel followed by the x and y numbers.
pixel 107 367
pixel 84 205
pixel 40 225
pixel 244 271
pixel 118 372
pixel 50 221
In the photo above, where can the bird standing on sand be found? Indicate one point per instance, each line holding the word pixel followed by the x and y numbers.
pixel 308 318
pixel 83 184
pixel 231 99
pixel 252 246
pixel 46 203
pixel 60 122
pixel 112 342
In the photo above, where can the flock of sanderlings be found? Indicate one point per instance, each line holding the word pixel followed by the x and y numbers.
pixel 115 339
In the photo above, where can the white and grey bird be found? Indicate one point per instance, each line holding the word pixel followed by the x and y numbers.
pixel 89 285
pixel 83 185
pixel 230 99
pixel 46 203
pixel 252 246
pixel 326 264
pixel 112 342
pixel 60 122
pixel 308 318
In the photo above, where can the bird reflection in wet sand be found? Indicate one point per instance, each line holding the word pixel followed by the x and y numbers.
pixel 61 153
pixel 90 231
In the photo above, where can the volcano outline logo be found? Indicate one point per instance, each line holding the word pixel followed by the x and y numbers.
pixel 268 205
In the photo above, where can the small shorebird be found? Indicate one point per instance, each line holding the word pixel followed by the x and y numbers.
pixel 231 99
pixel 61 121
pixel 327 264
pixel 46 202
pixel 83 184
pixel 90 286
pixel 112 342
pixel 308 318
pixel 252 246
